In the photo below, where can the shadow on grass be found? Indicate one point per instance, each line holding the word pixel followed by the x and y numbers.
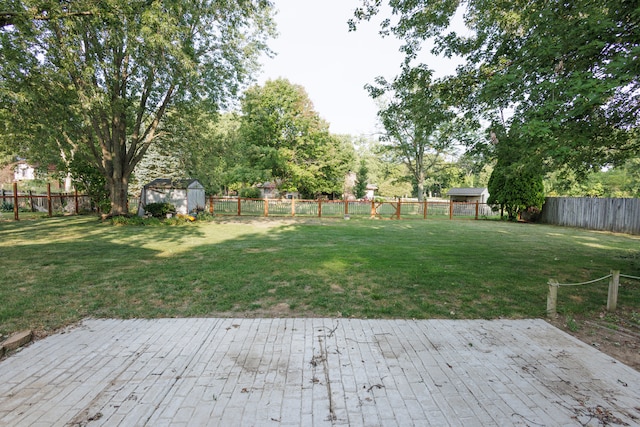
pixel 62 270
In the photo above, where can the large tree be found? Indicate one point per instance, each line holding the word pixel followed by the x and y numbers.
pixel 420 128
pixel 290 143
pixel 101 77
pixel 567 72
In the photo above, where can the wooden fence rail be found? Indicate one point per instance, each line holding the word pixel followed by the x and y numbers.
pixel 617 215
pixel 397 209
pixel 49 202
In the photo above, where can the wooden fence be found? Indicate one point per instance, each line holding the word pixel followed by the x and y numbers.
pixel 397 209
pixel 17 202
pixel 617 215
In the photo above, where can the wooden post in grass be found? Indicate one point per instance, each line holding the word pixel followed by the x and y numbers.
pixel 450 209
pixel 477 208
pixel 398 208
pixel 239 206
pixel 552 298
pixel 293 207
pixel 49 202
pixel 614 283
pixel 373 208
pixel 211 204
pixel 33 208
pixel 78 202
pixel 425 209
pixel 15 202
pixel 319 208
pixel 266 207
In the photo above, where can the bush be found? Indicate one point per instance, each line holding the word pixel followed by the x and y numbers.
pixel 6 207
pixel 159 210
pixel 250 193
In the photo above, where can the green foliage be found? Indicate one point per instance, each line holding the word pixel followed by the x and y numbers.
pixel 90 181
pixel 289 143
pixel 360 188
pixel 567 71
pixel 516 188
pixel 102 77
pixel 159 210
pixel 421 128
pixel 250 193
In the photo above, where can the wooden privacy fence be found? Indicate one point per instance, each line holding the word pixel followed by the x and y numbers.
pixel 612 296
pixel 397 209
pixel 49 202
pixel 617 215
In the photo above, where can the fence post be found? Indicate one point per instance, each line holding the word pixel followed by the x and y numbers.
pixel 239 206
pixel 373 209
pixel 612 298
pixel 425 209
pixel 398 208
pixel 266 207
pixel 293 207
pixel 211 204
pixel 552 298
pixel 49 203
pixel 346 208
pixel 450 209
pixel 319 208
pixel 477 208
pixel 15 202
pixel 33 208
pixel 78 202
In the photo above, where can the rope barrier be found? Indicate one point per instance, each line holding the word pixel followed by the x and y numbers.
pixel 584 283
pixel 630 277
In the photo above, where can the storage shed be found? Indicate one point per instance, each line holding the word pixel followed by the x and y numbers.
pixel 187 195
pixel 470 195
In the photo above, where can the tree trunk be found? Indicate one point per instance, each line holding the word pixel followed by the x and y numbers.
pixel 421 186
pixel 118 189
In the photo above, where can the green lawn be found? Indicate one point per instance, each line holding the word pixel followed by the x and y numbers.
pixel 59 270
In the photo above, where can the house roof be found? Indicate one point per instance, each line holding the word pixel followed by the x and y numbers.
pixel 171 183
pixel 467 191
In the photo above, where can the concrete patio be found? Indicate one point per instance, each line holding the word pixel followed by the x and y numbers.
pixel 315 372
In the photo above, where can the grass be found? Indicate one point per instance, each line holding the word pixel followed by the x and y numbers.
pixel 56 271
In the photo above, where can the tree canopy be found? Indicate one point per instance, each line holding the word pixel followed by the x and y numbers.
pixel 289 142
pixel 566 74
pixel 101 77
pixel 420 128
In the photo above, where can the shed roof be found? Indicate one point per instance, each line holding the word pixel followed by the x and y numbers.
pixel 172 183
pixel 467 191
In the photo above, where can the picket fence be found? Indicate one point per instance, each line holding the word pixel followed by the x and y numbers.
pixel 617 215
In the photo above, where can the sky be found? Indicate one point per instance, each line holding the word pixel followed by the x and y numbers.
pixel 315 49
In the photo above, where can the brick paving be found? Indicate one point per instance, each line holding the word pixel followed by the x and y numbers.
pixel 315 372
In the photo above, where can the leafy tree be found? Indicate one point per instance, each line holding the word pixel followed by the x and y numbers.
pixel 360 188
pixel 288 141
pixel 514 184
pixel 420 127
pixel 568 71
pixel 102 77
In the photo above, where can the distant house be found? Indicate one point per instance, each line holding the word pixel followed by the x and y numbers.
pixel 187 195
pixel 470 195
pixel 371 191
pixel 24 172
pixel 269 190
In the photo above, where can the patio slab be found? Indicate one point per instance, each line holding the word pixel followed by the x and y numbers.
pixel 315 372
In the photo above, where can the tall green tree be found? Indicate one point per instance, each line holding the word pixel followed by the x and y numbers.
pixel 101 77
pixel 362 177
pixel 515 183
pixel 420 128
pixel 290 143
pixel 568 72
